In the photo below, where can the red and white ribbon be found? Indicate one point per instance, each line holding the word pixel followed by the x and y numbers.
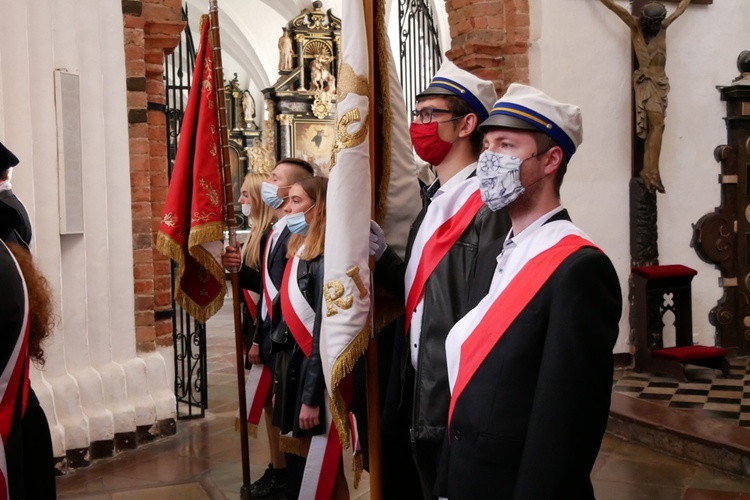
pixel 447 218
pixel 298 315
pixel 251 300
pixel 527 270
pixel 257 386
pixel 322 462
pixel 269 289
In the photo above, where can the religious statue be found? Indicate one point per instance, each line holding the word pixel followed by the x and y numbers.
pixel 321 80
pixel 650 82
pixel 248 108
pixel 285 51
pixel 260 160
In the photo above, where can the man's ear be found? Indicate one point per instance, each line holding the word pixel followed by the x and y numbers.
pixel 470 123
pixel 554 159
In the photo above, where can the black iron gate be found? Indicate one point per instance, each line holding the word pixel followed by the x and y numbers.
pixel 189 336
pixel 419 48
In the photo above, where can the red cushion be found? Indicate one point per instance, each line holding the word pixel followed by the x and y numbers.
pixel 688 353
pixel 673 271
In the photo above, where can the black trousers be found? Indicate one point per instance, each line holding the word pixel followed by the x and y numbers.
pixel 38 462
pixel 426 455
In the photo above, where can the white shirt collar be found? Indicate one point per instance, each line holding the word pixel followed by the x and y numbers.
pixel 457 179
pixel 4 186
pixel 520 237
pixel 278 227
pixel 280 224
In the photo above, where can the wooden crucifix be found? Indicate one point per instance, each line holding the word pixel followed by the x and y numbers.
pixel 648 22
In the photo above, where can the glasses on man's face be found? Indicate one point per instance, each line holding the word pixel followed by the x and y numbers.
pixel 424 115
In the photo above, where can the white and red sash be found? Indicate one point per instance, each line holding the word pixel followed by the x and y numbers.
pixel 14 379
pixel 251 300
pixel 269 289
pixel 474 336
pixel 297 313
pixel 257 385
pixel 446 219
pixel 4 490
pixel 322 463
pixel 324 456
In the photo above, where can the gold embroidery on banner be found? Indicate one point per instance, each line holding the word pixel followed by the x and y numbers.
pixel 169 219
pixel 212 194
pixel 334 295
pixel 208 86
pixel 353 273
pixel 202 217
pixel 345 139
pixel 350 82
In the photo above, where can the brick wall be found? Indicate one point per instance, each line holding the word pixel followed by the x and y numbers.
pixel 490 38
pixel 152 28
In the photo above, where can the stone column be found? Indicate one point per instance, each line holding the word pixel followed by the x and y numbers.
pixel 285 135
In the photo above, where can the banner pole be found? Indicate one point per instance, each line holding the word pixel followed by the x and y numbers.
pixel 371 359
pixel 229 219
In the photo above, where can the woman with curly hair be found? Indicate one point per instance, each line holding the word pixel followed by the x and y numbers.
pixel 26 462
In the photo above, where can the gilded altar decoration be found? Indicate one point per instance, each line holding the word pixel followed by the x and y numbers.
pixel 316 19
pixel 321 106
pixel 260 159
pixel 306 88
pixel 285 120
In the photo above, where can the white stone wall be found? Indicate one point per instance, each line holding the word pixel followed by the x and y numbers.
pixel 580 53
pixel 94 384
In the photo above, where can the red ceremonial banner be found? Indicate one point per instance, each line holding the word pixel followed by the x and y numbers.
pixel 193 211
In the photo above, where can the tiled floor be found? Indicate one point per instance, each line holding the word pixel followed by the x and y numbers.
pixel 706 391
pixel 203 459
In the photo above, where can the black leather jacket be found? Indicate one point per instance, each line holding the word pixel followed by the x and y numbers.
pixel 301 376
pixel 445 302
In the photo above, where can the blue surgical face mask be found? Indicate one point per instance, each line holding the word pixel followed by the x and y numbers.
pixel 297 223
pixel 246 209
pixel 499 179
pixel 270 194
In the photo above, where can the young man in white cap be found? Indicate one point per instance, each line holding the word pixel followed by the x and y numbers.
pixel 530 367
pixel 443 242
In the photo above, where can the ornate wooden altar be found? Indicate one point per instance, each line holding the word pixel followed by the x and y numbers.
pixel 301 104
pixel 722 237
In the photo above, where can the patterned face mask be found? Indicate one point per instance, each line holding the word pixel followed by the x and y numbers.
pixel 499 179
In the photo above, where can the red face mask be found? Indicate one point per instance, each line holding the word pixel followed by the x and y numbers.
pixel 428 144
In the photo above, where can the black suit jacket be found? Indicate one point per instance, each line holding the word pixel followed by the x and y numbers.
pixel 530 421
pixel 253 280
